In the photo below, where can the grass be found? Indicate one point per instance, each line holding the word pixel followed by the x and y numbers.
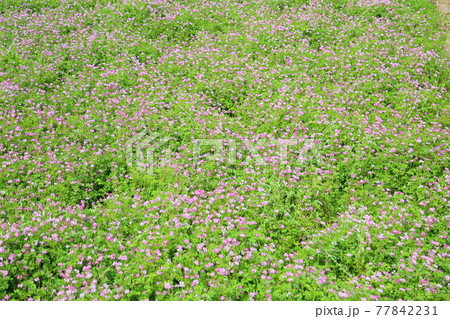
pixel 299 150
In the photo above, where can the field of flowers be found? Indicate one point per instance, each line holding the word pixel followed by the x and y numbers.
pixel 299 150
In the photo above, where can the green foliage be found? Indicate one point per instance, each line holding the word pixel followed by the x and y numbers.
pixel 364 209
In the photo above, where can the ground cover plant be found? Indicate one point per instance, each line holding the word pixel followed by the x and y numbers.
pixel 298 150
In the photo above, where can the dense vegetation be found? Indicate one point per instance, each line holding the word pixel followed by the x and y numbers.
pixel 363 215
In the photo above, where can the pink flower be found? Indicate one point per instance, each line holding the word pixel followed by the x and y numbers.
pixel 322 280
pixel 199 192
pixel 167 286
pixel 222 271
pixel 343 294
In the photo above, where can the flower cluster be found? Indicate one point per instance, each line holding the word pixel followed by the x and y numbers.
pixel 364 216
